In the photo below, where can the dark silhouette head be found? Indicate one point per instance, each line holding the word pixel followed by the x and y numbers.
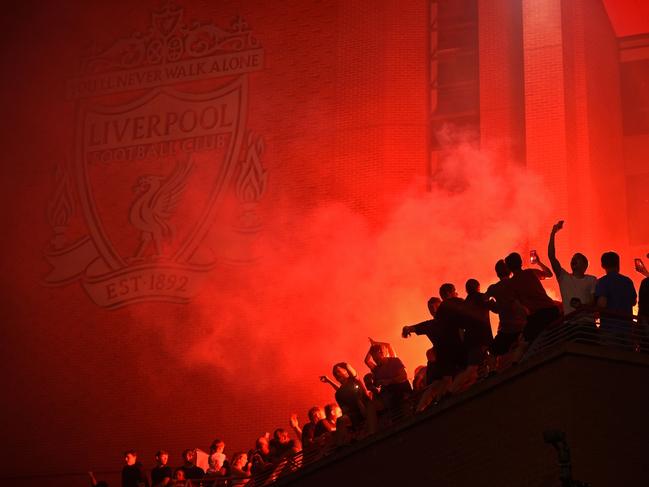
pixel 162 456
pixel 514 262
pixel 379 352
pixel 502 271
pixel 472 286
pixel 343 372
pixel 239 460
pixel 332 411
pixel 579 264
pixel 447 291
pixel 130 457
pixel 281 435
pixel 188 455
pixel 611 262
pixel 433 304
pixel 263 445
pixel 217 446
pixel 316 414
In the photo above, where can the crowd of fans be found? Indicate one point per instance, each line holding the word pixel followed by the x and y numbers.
pixel 463 351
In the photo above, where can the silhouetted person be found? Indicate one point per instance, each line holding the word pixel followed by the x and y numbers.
pixel 433 371
pixel 530 293
pixel 616 294
pixel 389 375
pixel 162 473
pixel 441 358
pixel 281 445
pixel 192 472
pixel 260 456
pixel 133 473
pixel 453 315
pixel 307 433
pixel 478 335
pixel 574 285
pixel 447 344
pixel 512 316
pixel 327 425
pixel 350 395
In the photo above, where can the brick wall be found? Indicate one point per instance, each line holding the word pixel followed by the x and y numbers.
pixel 502 106
pixel 545 110
pixel 340 106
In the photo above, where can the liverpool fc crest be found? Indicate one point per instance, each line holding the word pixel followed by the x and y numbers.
pixel 155 165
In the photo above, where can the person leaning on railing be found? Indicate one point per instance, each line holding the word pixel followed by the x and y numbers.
pixel 161 473
pixel 615 293
pixel 307 432
pixel 240 468
pixel 530 293
pixel 260 456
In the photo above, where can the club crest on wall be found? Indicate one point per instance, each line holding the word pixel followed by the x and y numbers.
pixel 164 164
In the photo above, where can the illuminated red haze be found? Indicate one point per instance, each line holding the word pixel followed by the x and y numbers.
pixel 329 278
pixel 351 247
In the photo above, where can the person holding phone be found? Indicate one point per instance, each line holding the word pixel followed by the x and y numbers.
pixel 574 285
pixel 529 291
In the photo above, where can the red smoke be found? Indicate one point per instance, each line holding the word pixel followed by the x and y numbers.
pixel 334 266
pixel 328 278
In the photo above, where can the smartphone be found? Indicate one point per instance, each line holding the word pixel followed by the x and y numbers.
pixel 639 265
pixel 534 258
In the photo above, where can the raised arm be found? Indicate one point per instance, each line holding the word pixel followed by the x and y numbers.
pixel 544 272
pixel 640 267
pixel 552 252
pixel 327 380
pixel 295 425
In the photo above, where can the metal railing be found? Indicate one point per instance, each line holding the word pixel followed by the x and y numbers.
pixel 212 481
pixel 592 326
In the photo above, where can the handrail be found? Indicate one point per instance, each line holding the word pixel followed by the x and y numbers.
pixel 581 326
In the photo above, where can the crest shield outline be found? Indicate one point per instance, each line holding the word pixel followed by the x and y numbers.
pixel 110 278
pixel 98 233
pixel 105 256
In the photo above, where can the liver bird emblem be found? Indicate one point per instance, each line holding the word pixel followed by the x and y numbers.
pixel 156 201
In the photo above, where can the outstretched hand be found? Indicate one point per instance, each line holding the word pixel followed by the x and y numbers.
pixel 405 332
pixel 557 226
pixel 293 421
